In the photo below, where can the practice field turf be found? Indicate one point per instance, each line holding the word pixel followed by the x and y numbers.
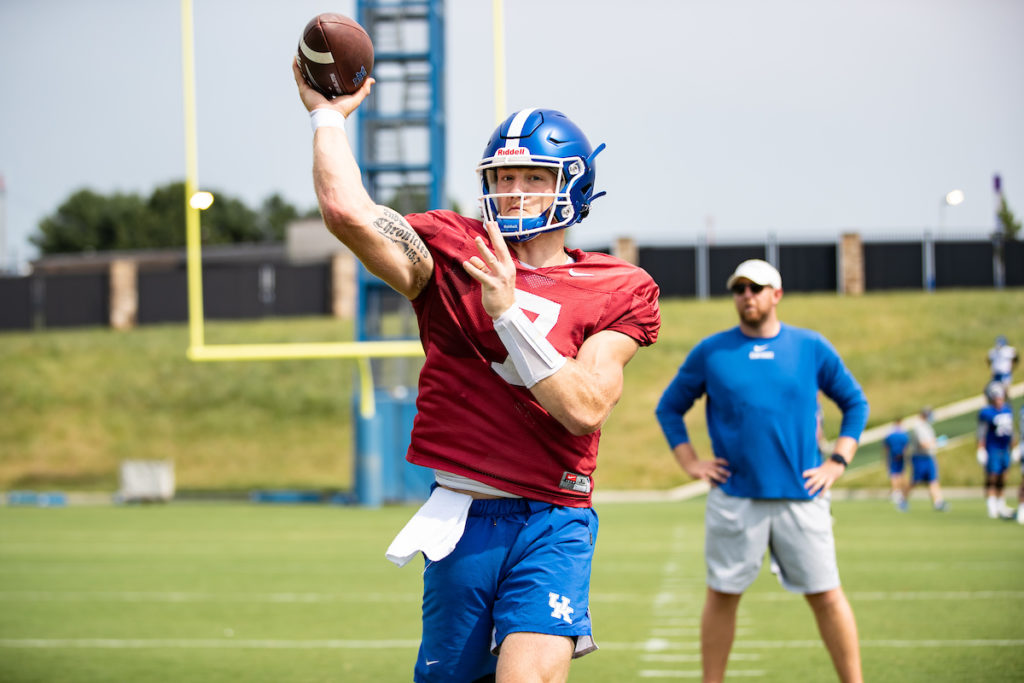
pixel 245 592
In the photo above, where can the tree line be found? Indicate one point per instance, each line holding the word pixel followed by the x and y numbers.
pixel 90 221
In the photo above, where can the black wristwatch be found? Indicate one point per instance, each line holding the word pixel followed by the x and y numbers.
pixel 835 457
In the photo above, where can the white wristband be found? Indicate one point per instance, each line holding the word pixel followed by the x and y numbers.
pixel 533 356
pixel 318 118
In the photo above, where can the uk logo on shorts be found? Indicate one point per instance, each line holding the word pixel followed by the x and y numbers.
pixel 560 607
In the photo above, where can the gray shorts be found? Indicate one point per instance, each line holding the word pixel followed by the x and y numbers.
pixel 797 533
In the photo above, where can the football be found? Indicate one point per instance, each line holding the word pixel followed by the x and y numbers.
pixel 335 54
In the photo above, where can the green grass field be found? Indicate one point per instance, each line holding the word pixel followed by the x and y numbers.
pixel 77 402
pixel 245 592
pixel 240 592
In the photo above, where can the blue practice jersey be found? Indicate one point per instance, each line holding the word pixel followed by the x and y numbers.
pixel 762 400
pixel 896 443
pixel 997 425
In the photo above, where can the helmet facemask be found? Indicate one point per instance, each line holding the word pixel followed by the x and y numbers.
pixel 558 212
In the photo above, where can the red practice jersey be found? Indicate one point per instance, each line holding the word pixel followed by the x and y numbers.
pixel 474 415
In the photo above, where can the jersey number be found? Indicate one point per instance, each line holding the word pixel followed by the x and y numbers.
pixel 547 312
pixel 1003 423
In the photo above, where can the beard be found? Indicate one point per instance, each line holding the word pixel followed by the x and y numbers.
pixel 753 316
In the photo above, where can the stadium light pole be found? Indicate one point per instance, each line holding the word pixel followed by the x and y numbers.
pixel 998 237
pixel 951 198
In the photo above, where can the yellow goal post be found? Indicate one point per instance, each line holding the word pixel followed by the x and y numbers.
pixel 198 349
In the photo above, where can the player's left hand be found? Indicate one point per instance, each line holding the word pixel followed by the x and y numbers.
pixel 819 479
pixel 495 270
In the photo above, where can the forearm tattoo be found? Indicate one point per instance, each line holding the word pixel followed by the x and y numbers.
pixel 393 226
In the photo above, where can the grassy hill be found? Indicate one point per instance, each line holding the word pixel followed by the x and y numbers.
pixel 75 403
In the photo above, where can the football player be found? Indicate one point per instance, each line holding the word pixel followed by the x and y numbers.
pixel 1002 359
pixel 525 343
pixel 1015 456
pixel 895 445
pixel 923 467
pixel 995 441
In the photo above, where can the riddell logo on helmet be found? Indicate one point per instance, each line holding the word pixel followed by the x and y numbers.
pixel 510 151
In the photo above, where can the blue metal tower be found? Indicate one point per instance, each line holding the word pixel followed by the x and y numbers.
pixel 402 125
pixel 401 151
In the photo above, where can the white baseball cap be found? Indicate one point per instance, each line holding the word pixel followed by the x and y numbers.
pixel 757 271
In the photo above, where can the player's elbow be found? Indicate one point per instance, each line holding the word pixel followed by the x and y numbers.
pixel 582 420
pixel 338 216
pixel 344 219
pixel 582 428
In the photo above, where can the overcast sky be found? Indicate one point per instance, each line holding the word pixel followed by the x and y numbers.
pixel 737 118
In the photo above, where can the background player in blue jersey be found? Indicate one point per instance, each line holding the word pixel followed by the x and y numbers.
pixel 1002 359
pixel 995 440
pixel 895 448
pixel 769 484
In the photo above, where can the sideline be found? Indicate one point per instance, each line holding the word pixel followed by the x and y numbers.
pixel 683 492
pixel 652 645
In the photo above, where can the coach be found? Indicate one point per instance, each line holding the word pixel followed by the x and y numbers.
pixel 769 483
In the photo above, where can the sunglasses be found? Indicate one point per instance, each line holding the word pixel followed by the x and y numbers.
pixel 739 288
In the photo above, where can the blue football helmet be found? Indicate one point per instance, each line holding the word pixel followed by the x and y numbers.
pixel 547 138
pixel 995 390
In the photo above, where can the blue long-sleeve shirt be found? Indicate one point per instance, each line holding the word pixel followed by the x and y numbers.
pixel 762 400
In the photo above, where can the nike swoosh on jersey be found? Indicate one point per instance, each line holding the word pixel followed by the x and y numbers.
pixel 575 273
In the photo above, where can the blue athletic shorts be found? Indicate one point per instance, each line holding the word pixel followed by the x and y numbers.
pixel 998 461
pixel 520 566
pixel 925 469
pixel 895 464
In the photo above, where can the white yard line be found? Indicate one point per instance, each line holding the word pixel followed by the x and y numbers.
pixel 666 651
pixel 204 643
pixel 675 618
pixel 186 597
pixel 686 619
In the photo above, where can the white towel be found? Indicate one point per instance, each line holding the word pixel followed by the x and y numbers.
pixel 434 529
